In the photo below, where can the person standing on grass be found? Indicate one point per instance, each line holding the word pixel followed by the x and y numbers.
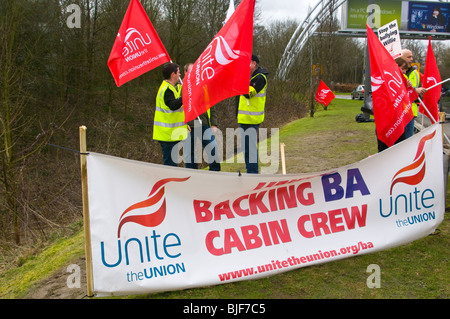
pixel 250 114
pixel 168 126
pixel 413 75
pixel 204 126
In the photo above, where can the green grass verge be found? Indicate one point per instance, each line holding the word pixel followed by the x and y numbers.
pixel 330 139
pixel 16 282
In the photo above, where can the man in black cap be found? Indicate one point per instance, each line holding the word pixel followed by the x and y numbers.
pixel 250 114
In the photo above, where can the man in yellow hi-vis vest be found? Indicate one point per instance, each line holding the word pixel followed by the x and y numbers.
pixel 168 126
pixel 413 75
pixel 250 114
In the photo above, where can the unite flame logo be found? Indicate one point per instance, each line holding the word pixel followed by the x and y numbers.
pixel 376 82
pixel 414 173
pixel 394 81
pixel 224 54
pixel 154 217
pixel 323 94
pixel 134 41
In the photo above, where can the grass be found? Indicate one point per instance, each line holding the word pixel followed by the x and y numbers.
pixel 17 281
pixel 332 138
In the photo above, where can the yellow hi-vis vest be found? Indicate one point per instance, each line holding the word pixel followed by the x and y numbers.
pixel 414 77
pixel 168 125
pixel 251 111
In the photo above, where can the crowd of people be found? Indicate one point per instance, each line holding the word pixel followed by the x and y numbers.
pixel 170 130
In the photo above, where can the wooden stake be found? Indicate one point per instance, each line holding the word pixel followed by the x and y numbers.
pixel 283 160
pixel 87 228
pixel 442 120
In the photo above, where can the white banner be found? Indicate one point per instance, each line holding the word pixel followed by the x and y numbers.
pixel 158 228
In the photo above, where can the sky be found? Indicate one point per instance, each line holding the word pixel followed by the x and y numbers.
pixel 283 9
pixel 272 10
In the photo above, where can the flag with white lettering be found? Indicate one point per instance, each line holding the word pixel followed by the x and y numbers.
pixel 223 69
pixel 324 95
pixel 391 105
pixel 138 48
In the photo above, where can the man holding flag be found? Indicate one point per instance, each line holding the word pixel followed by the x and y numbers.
pixel 223 69
pixel 250 114
pixel 413 75
pixel 168 126
pixel 391 104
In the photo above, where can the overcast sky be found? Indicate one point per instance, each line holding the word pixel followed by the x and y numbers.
pixel 272 10
pixel 283 9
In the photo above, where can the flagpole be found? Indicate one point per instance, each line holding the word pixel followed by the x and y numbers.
pixel 437 84
pixel 87 228
pixel 426 109
pixel 442 120
pixel 432 118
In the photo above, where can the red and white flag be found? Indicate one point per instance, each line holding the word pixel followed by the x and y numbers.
pixel 391 104
pixel 324 95
pixel 138 48
pixel 223 69
pixel 431 77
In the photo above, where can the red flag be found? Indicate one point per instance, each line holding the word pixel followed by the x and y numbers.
pixel 391 105
pixel 412 94
pixel 324 95
pixel 223 69
pixel 431 77
pixel 137 48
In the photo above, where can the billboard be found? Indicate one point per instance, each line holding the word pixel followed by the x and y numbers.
pixel 385 11
pixel 414 17
pixel 428 16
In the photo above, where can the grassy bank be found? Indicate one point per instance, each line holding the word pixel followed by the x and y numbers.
pixel 332 138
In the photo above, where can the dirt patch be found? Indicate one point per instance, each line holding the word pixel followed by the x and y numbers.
pixel 56 285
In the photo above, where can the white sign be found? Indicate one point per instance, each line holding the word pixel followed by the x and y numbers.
pixel 158 228
pixel 390 37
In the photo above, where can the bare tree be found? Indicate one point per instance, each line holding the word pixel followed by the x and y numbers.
pixel 16 86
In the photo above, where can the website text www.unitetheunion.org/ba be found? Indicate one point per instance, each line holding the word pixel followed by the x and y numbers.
pixel 294 261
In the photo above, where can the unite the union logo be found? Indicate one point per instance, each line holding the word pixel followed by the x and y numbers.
pixel 413 173
pixel 154 207
pixel 224 54
pixel 134 41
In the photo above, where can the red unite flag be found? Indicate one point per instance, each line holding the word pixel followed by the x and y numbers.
pixel 137 48
pixel 223 69
pixel 324 95
pixel 431 77
pixel 391 104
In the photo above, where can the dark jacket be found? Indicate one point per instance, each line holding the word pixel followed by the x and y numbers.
pixel 257 81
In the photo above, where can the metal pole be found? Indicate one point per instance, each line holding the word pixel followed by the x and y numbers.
pixel 367 80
